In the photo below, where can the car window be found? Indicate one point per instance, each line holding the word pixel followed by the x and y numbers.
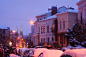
pixel 66 56
pixel 41 55
pixel 31 52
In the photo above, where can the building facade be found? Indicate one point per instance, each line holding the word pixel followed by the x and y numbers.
pixel 44 26
pixel 65 20
pixel 4 35
pixel 82 11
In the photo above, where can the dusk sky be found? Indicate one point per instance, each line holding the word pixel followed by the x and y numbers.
pixel 19 13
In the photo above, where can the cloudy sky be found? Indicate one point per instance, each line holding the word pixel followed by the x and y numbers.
pixel 19 13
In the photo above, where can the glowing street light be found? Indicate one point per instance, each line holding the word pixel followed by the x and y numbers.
pixel 10 43
pixel 14 31
pixel 31 22
pixel 22 39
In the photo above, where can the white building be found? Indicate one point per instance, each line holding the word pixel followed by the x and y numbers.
pixel 44 25
pixel 82 11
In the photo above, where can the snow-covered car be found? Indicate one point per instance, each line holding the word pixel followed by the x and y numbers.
pixel 74 53
pixel 36 52
pixel 13 55
pixel 51 53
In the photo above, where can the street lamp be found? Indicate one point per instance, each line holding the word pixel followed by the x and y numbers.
pixel 14 31
pixel 31 22
pixel 10 43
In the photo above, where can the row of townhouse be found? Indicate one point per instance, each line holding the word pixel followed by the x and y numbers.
pixel 66 17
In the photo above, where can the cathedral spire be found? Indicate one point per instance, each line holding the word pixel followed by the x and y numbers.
pixel 16 32
pixel 21 32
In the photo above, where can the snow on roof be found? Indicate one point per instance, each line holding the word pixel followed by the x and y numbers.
pixel 74 11
pixel 44 13
pixel 3 27
pixel 53 16
pixel 70 10
pixel 50 17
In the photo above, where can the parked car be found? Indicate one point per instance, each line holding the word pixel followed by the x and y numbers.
pixel 74 53
pixel 51 53
pixel 13 55
pixel 36 52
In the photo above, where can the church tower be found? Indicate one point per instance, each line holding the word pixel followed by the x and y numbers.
pixel 16 34
pixel 21 33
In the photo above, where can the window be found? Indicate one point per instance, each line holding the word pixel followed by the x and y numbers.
pixel 47 28
pixel 44 40
pixel 85 14
pixel 52 39
pixel 61 39
pixel 81 18
pixel 60 25
pixel 41 40
pixel 48 40
pixel 63 24
pixel 38 20
pixel 53 27
pixel 43 29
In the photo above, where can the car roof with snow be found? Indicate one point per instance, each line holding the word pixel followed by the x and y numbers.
pixel 75 52
pixel 38 51
pixel 51 53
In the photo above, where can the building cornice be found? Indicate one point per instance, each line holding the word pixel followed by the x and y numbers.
pixel 80 2
pixel 66 13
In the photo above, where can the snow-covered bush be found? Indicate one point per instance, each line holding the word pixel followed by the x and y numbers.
pixel 77 35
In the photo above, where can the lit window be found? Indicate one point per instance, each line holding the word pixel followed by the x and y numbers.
pixel 53 27
pixel 42 29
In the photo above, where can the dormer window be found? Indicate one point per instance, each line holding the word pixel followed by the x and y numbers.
pixel 38 20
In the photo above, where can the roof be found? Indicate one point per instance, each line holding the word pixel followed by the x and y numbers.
pixel 44 13
pixel 3 27
pixel 50 17
pixel 70 10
